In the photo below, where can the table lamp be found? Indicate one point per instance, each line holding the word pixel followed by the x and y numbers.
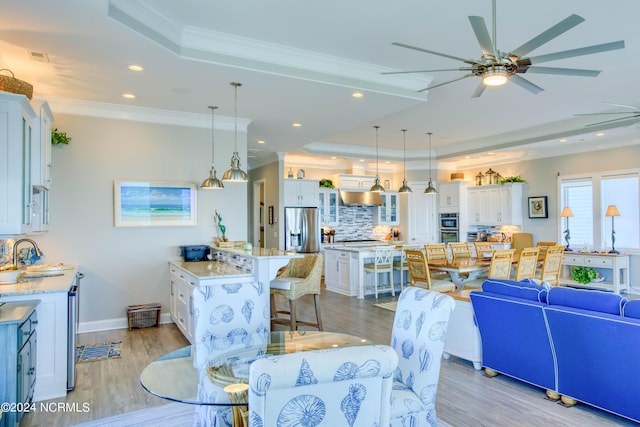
pixel 612 211
pixel 567 213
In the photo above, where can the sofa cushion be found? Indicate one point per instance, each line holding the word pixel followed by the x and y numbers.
pixel 524 290
pixel 632 309
pixel 284 283
pixel 586 299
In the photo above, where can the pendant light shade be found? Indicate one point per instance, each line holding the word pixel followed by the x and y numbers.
pixel 377 187
pixel 405 188
pixel 212 183
pixel 430 188
pixel 235 174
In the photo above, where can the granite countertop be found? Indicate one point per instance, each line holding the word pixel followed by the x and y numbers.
pixel 209 269
pixel 258 252
pixel 41 285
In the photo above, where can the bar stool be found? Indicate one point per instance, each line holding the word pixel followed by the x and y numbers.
pixel 383 264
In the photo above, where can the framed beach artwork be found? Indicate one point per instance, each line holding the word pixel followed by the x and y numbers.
pixel 154 204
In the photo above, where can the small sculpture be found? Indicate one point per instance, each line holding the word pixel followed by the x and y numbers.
pixel 222 228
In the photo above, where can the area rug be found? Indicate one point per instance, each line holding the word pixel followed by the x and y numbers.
pixel 172 415
pixel 391 306
pixel 90 353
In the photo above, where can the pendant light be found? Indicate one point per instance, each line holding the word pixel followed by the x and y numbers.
pixel 405 188
pixel 235 174
pixel 430 189
pixel 212 183
pixel 377 187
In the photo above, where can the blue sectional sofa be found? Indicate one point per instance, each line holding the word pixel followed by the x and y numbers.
pixel 580 345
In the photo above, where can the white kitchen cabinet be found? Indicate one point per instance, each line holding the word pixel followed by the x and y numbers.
pixel 328 204
pixel 495 204
pixel 337 277
pixel 41 150
pixel 418 215
pixel 300 192
pixel 16 121
pixel 181 305
pixel 388 212
pixel 356 182
pixel 452 196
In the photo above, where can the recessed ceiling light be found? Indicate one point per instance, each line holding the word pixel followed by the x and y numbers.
pixel 600 134
pixel 261 141
pixel 490 153
pixel 387 162
pixel 333 157
pixel 296 125
pixel 361 160
pixel 357 95
pixel 134 67
pixel 467 157
pixel 563 140
pixel 128 95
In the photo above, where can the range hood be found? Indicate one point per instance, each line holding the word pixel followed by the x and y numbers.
pixel 360 198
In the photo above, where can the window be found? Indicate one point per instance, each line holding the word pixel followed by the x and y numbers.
pixel 589 196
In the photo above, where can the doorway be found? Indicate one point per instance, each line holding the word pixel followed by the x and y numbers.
pixel 258 213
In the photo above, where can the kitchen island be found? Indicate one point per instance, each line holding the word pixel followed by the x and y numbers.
pixel 51 329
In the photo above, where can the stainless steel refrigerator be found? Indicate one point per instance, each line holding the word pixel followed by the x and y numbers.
pixel 302 230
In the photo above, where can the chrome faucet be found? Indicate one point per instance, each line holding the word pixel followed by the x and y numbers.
pixel 36 249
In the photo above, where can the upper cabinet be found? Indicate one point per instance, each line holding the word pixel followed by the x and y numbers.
pixel 329 202
pixel 389 212
pixel 356 182
pixel 496 204
pixel 41 156
pixel 301 192
pixel 452 196
pixel 17 118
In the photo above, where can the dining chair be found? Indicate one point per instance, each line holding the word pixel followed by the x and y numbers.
pixel 418 335
pixel 483 249
pixel 436 252
pixel 521 240
pixel 460 250
pixel 401 264
pixel 544 246
pixel 419 273
pixel 224 316
pixel 301 276
pixel 500 268
pixel 382 264
pixel 550 270
pixel 349 386
pixel 527 263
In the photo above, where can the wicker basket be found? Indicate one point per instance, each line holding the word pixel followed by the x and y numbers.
pixel 13 85
pixel 143 315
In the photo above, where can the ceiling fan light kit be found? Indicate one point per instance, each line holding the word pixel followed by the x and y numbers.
pixel 496 67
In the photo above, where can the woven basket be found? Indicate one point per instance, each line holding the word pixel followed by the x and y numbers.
pixel 13 85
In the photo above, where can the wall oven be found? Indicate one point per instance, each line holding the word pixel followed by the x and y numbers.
pixel 447 236
pixel 449 221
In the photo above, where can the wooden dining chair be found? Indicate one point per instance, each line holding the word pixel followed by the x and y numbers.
pixel 401 264
pixel 436 252
pixel 521 240
pixel 419 273
pixel 483 249
pixel 550 271
pixel 527 263
pixel 500 268
pixel 382 264
pixel 460 250
pixel 544 246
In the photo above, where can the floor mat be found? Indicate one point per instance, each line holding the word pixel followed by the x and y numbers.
pixel 391 306
pixel 107 350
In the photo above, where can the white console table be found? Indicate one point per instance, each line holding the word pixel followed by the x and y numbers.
pixel 614 267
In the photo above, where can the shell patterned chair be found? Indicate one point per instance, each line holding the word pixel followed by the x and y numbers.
pixel 349 386
pixel 527 263
pixel 419 273
pixel 226 316
pixel 382 264
pixel 418 336
pixel 300 277
pixel 550 271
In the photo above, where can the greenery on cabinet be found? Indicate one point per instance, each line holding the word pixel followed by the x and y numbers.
pixel 583 274
pixel 59 137
pixel 515 178
pixel 326 183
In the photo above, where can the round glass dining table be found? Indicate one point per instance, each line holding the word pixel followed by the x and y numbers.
pixel 175 377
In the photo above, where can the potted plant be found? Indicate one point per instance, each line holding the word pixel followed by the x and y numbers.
pixel 583 274
pixel 515 178
pixel 326 183
pixel 58 137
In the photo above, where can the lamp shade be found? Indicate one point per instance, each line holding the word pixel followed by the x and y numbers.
pixel 612 210
pixel 566 212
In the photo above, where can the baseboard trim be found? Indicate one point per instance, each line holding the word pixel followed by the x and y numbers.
pixel 118 323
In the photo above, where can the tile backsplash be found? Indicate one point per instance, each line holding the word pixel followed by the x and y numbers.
pixel 357 223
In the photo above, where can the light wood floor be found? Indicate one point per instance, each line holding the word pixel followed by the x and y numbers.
pixel 466 397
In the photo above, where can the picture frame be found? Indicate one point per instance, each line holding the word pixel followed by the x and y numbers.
pixel 154 204
pixel 538 207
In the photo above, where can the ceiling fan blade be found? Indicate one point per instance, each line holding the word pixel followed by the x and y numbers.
pixel 428 71
pixel 562 71
pixel 578 52
pixel 447 82
pixel 419 49
pixel 548 35
pixel 622 105
pixel 619 119
pixel 526 84
pixel 630 113
pixel 482 34
pixel 479 89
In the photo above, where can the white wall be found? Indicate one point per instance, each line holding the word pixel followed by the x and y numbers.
pixel 126 266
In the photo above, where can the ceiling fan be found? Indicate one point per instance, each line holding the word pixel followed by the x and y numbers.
pixel 496 67
pixel 635 113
